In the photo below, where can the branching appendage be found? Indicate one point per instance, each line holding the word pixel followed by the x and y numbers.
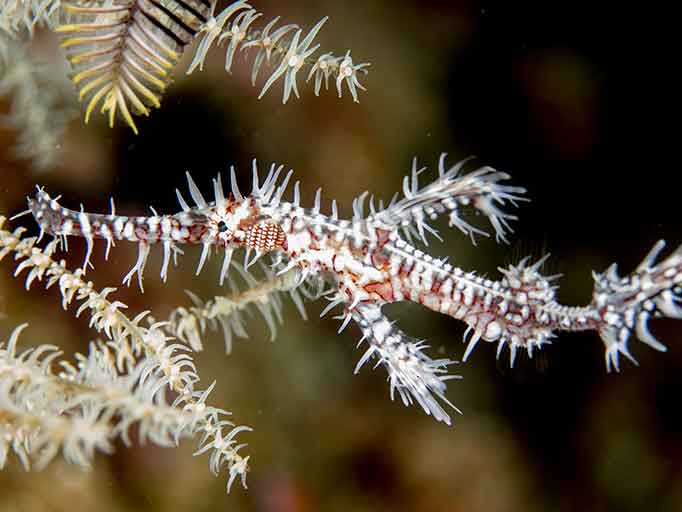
pixel 121 382
pixel 227 312
pixel 370 261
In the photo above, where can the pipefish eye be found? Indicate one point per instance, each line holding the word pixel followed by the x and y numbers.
pixel 222 227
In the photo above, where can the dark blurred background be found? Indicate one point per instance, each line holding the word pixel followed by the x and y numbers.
pixel 567 97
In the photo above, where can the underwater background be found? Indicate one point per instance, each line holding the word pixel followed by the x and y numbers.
pixel 560 95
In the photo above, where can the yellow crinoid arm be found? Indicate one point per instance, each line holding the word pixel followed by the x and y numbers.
pixel 122 53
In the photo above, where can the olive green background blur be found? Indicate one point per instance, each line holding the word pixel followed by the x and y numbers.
pixel 561 95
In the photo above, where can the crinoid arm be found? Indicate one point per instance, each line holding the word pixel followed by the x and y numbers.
pixel 286 49
pixel 136 377
pixel 122 52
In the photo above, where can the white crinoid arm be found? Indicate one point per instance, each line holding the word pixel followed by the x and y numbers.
pixel 281 49
pixel 131 373
pixel 452 191
pixel 212 29
pixel 414 375
pixel 228 311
